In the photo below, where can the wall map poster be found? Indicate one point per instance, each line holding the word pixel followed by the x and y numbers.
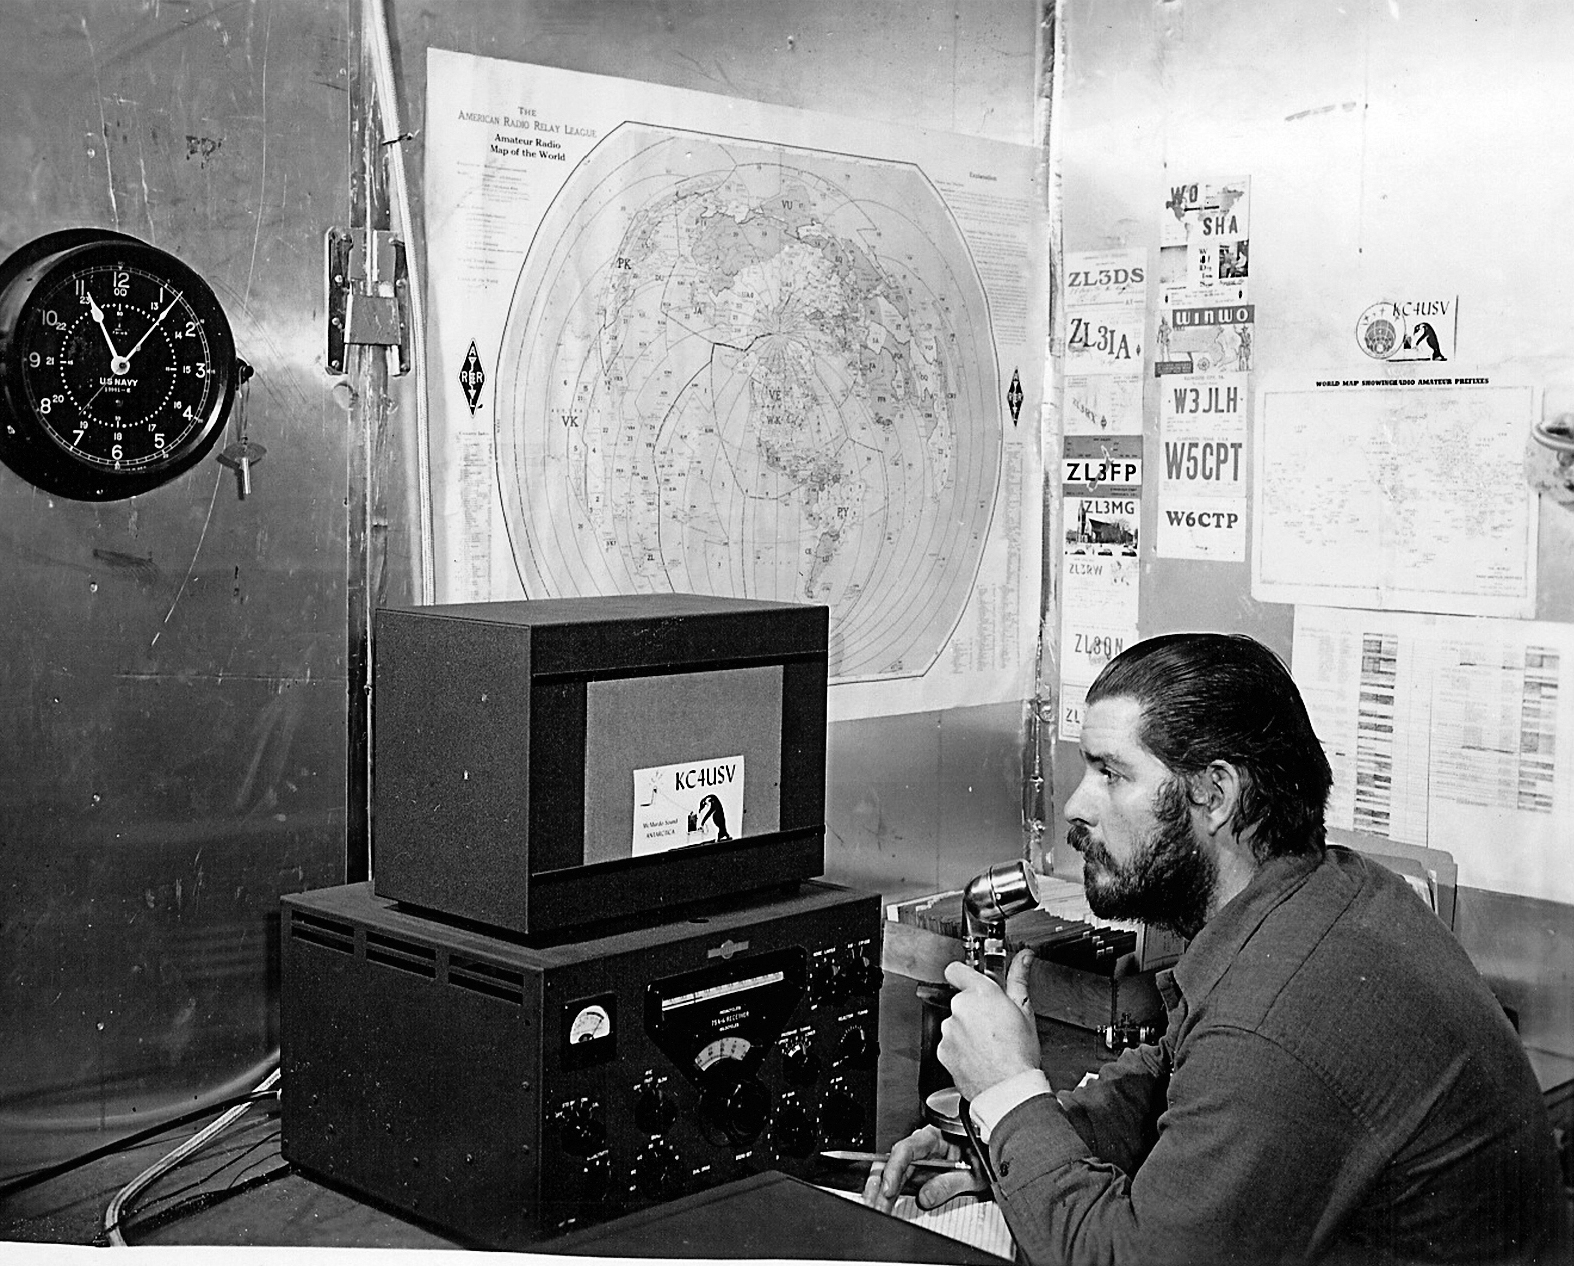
pixel 1396 495
pixel 737 349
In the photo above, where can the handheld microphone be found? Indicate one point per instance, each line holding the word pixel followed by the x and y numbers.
pixel 989 899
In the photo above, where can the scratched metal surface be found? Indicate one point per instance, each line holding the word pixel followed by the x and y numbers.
pixel 173 668
pixel 172 680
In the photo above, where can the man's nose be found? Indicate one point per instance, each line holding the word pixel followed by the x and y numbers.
pixel 1079 806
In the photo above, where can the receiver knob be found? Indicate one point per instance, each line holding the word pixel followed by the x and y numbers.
pixel 826 981
pixel 657 1172
pixel 736 1105
pixel 800 1065
pixel 595 1180
pixel 793 1132
pixel 863 974
pixel 655 1108
pixel 841 1116
pixel 855 1050
pixel 582 1132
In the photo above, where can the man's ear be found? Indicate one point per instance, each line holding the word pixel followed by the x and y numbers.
pixel 1216 793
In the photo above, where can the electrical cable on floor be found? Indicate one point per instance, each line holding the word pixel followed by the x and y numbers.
pixel 32 1178
pixel 277 1134
pixel 205 1181
pixel 113 1215
pixel 207 1199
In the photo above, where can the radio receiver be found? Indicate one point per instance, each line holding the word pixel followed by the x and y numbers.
pixel 510 1092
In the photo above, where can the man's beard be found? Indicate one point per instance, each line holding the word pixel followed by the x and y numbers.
pixel 1170 881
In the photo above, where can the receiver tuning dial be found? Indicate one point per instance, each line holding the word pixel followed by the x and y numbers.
pixel 734 1104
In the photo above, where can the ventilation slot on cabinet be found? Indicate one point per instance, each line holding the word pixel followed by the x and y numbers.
pixel 328 933
pixel 487 978
pixel 405 955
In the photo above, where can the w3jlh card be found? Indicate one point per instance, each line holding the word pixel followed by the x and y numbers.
pixel 695 802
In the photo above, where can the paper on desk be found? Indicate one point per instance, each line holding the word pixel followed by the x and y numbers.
pixel 965 1218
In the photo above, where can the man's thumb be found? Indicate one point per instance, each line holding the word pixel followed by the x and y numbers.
pixel 945 1187
pixel 1017 977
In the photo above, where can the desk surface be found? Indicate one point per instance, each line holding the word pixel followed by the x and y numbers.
pixel 770 1215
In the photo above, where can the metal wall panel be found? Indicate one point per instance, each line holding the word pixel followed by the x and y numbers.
pixel 172 667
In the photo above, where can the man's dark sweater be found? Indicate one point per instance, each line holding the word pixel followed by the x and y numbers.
pixel 1335 1082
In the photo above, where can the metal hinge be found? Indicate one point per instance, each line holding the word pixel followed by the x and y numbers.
pixel 368 299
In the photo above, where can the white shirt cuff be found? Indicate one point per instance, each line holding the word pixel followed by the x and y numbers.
pixel 993 1104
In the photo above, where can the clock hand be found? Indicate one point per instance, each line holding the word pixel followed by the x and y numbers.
pixel 151 328
pixel 118 364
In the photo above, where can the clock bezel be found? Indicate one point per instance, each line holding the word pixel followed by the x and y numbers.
pixel 26 444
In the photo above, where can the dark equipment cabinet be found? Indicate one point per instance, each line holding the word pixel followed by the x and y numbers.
pixel 507 1093
pixel 508 735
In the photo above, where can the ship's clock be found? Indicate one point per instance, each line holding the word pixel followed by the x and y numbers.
pixel 117 365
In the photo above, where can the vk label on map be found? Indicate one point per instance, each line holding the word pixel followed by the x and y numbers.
pixel 695 802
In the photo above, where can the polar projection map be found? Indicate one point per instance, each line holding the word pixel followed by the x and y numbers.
pixel 758 371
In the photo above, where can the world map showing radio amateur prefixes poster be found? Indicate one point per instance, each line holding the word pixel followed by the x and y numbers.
pixel 689 343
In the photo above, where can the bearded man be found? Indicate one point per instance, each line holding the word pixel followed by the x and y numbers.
pixel 1335 1082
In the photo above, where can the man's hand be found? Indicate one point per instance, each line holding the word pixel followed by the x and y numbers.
pixel 990 1034
pixel 884 1185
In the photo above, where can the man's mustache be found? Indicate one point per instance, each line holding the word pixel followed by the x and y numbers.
pixel 1081 839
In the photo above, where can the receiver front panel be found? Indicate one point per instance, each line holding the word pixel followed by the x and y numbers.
pixel 510 1093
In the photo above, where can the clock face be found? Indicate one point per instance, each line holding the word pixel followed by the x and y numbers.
pixel 117 365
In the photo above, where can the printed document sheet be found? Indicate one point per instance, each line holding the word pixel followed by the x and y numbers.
pixel 965 1218
pixel 1396 497
pixel 1449 733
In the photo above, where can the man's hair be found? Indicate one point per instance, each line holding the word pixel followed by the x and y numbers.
pixel 1218 696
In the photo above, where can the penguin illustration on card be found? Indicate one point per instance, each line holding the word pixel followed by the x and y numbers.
pixel 1423 342
pixel 710 814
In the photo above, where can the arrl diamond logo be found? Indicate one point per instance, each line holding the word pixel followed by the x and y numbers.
pixel 471 378
pixel 1014 396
